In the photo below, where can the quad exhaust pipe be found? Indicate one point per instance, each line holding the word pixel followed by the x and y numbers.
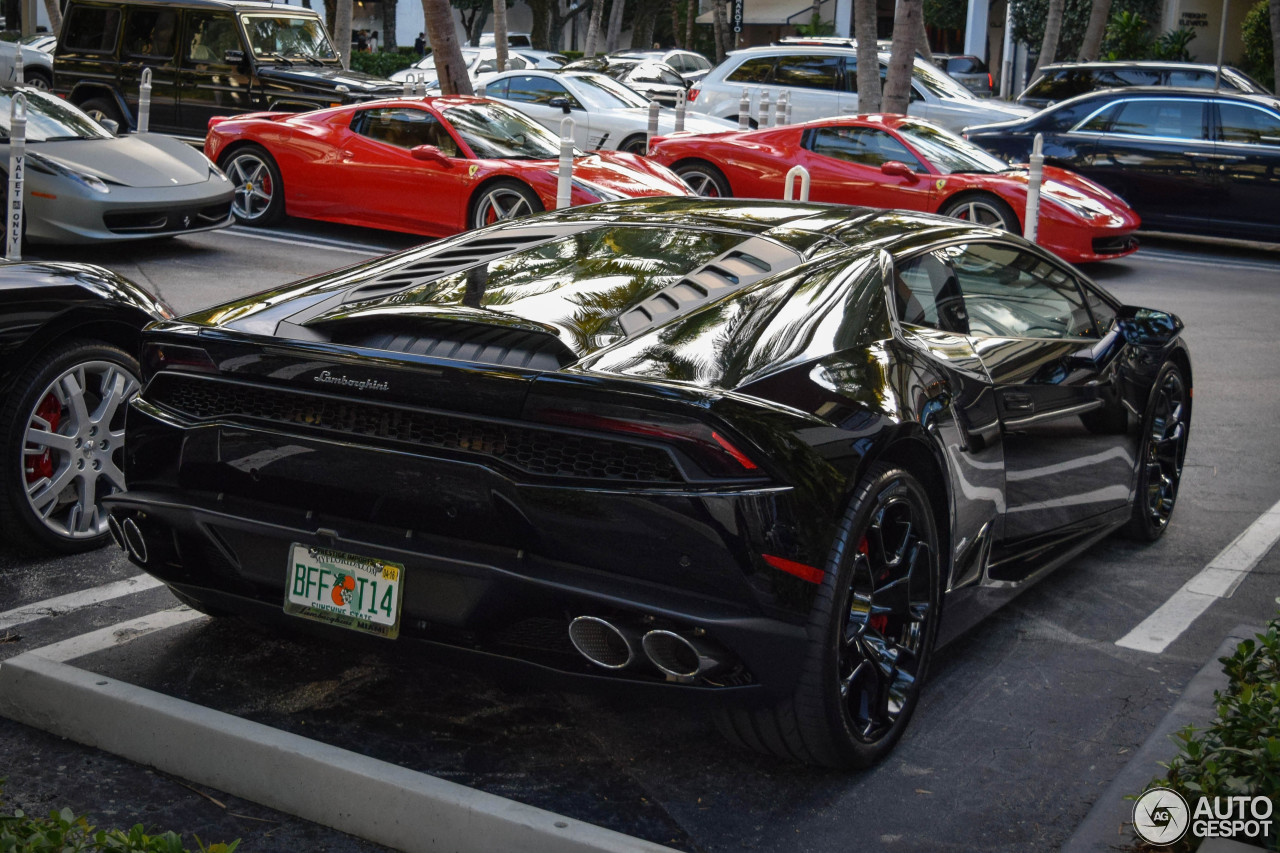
pixel 134 542
pixel 613 646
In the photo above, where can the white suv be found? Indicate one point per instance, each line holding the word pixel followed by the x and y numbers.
pixel 822 82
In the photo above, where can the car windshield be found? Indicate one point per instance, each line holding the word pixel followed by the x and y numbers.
pixel 948 152
pixel 598 92
pixel 495 132
pixel 50 119
pixel 938 83
pixel 303 37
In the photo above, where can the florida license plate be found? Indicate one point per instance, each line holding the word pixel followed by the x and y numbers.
pixel 348 590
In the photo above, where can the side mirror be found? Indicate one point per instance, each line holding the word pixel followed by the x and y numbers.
pixel 110 124
pixel 898 169
pixel 431 154
pixel 562 103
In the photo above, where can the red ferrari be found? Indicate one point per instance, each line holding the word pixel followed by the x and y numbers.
pixel 892 161
pixel 432 166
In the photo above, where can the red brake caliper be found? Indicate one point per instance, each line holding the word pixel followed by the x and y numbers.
pixel 41 466
pixel 877 621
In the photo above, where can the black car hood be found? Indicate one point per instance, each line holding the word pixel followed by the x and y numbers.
pixel 326 78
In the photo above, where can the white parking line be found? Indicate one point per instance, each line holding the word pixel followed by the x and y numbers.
pixel 1219 579
pixel 76 600
pixel 312 242
pixel 117 635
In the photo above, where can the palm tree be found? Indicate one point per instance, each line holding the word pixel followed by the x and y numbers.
pixel 615 26
pixel 1275 38
pixel 906 29
pixel 864 26
pixel 342 30
pixel 451 71
pixel 55 15
pixel 1098 15
pixel 1052 29
pixel 499 32
pixel 593 28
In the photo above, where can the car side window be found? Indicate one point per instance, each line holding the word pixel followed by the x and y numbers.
pixel 537 90
pixel 1161 117
pixel 926 293
pixel 208 38
pixel 404 128
pixel 809 72
pixel 151 32
pixel 1101 120
pixel 496 89
pixel 91 29
pixel 1191 79
pixel 756 70
pixel 1011 293
pixel 1241 123
pixel 867 146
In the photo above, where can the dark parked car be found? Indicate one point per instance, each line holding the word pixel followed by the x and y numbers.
pixel 207 58
pixel 657 81
pixel 1064 80
pixel 68 366
pixel 739 450
pixel 688 64
pixel 967 70
pixel 1187 160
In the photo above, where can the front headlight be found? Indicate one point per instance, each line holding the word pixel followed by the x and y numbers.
pixel 48 166
pixel 598 191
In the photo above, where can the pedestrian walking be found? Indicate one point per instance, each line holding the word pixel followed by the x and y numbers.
pixel 420 44
pixel 373 42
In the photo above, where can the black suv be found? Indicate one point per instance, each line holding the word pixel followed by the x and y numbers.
pixel 1064 80
pixel 207 58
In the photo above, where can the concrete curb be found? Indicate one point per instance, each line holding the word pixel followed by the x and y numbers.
pixel 362 796
pixel 1103 829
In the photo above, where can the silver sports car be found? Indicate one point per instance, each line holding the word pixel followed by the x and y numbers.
pixel 84 183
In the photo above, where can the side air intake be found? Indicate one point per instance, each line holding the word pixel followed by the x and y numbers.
pixel 741 266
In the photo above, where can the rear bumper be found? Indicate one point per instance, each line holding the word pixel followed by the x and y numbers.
pixel 493 566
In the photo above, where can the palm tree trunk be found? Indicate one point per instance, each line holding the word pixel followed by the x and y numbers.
pixel 1098 15
pixel 342 30
pixel 864 28
pixel 922 41
pixel 615 25
pixel 718 25
pixel 689 22
pixel 1275 39
pixel 677 31
pixel 593 29
pixel 906 29
pixel 445 50
pixel 55 15
pixel 499 32
pixel 1052 29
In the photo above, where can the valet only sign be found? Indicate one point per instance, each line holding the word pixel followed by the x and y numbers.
pixel 1161 816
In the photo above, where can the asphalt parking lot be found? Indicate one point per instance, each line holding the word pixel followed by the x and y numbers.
pixel 1025 721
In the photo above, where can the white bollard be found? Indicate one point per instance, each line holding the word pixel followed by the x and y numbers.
pixel 420 87
pixel 17 168
pixel 1034 179
pixel 783 108
pixel 654 109
pixel 744 111
pixel 564 177
pixel 788 114
pixel 408 87
pixel 763 120
pixel 803 174
pixel 19 75
pixel 681 104
pixel 144 102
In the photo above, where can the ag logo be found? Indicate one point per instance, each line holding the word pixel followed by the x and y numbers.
pixel 1161 816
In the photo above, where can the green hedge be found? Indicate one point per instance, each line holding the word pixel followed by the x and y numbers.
pixel 1258 47
pixel 382 64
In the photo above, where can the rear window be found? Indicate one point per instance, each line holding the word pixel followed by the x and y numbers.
pixel 966 65
pixel 1061 84
pixel 755 70
pixel 809 72
pixel 91 29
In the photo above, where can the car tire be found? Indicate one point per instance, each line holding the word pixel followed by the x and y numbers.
pixel 501 200
pixel 104 108
pixel 78 391
pixel 38 79
pixel 704 179
pixel 1166 426
pixel 636 143
pixel 982 209
pixel 259 189
pixel 853 698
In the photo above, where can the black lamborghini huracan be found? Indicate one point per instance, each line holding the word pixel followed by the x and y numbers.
pixel 766 452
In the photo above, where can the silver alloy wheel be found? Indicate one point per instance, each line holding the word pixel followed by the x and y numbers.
pixel 980 212
pixel 701 182
pixel 74 445
pixel 253 184
pixel 39 83
pixel 501 203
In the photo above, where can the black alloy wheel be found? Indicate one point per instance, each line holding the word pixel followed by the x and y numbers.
pixel 872 633
pixel 637 143
pixel 1164 448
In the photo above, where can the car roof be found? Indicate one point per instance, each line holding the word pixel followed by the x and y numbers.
pixel 1173 91
pixel 237 5
pixel 1153 64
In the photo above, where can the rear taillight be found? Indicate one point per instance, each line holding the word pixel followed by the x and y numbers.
pixel 693 94
pixel 991 82
pixel 710 449
pixel 156 357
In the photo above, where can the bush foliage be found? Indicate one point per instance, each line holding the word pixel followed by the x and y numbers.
pixel 382 64
pixel 1239 753
pixel 1259 46
pixel 1029 17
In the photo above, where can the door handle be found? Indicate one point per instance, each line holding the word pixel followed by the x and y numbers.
pixel 1016 401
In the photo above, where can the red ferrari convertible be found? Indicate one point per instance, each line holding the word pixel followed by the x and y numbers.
pixel 892 161
pixel 432 166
